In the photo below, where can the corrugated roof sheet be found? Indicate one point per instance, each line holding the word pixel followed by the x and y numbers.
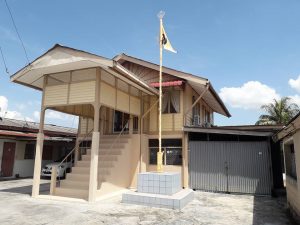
pixel 21 125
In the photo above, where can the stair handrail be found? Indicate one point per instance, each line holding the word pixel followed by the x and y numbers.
pixel 83 139
pixel 119 135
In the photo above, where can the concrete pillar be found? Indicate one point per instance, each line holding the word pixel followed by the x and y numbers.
pixel 185 161
pixel 38 157
pixel 53 180
pixel 93 182
pixel 76 156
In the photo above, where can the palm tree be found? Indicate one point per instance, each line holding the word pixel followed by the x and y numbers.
pixel 280 112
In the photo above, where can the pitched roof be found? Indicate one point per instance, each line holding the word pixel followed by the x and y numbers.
pixel 290 128
pixel 62 58
pixel 197 83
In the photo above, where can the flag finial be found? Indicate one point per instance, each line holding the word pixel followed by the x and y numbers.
pixel 161 14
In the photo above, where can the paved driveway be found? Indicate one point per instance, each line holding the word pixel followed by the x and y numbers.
pixel 17 207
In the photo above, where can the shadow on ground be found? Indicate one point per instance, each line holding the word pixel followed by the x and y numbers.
pixel 44 189
pixel 265 207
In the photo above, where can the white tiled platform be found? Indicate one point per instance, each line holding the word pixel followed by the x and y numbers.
pixel 159 190
pixel 176 201
pixel 167 183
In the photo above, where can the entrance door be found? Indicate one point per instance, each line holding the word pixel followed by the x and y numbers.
pixel 8 159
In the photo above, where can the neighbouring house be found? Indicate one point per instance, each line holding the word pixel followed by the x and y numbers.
pixel 18 143
pixel 290 137
pixel 117 102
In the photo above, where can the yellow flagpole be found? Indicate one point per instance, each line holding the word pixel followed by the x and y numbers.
pixel 160 153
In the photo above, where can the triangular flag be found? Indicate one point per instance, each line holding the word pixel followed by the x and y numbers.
pixel 165 41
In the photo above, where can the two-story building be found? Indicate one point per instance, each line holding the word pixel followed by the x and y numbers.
pixel 117 101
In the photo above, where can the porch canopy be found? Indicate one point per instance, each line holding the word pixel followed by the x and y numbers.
pixel 61 88
pixel 61 59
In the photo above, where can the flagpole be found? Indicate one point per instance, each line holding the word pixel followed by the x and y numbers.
pixel 160 153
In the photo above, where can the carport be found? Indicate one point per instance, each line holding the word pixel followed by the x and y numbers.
pixel 238 159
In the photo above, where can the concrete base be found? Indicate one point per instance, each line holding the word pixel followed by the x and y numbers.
pixel 175 201
pixel 167 183
pixel 159 190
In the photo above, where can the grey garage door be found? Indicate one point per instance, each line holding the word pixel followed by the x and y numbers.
pixel 241 167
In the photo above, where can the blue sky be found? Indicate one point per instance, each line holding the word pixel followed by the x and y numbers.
pixel 249 50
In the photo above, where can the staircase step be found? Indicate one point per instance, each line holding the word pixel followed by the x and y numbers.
pixel 101 158
pixel 78 177
pixel 114 136
pixel 83 163
pixel 111 146
pixel 71 193
pixel 110 152
pixel 74 184
pixel 105 164
pixel 81 170
pixel 108 158
pixel 110 141
pixel 103 172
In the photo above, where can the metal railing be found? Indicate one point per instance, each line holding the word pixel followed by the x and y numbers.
pixel 54 168
pixel 195 121
pixel 119 135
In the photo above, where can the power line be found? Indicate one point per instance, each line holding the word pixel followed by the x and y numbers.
pixel 6 69
pixel 13 21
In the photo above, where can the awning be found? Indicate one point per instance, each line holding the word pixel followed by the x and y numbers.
pixel 167 83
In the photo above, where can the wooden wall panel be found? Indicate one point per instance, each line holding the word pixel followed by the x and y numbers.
pixel 122 101
pixel 56 95
pixel 86 125
pixel 83 92
pixel 82 75
pixel 107 95
pixel 153 116
pixel 178 121
pixel 167 122
pixel 135 106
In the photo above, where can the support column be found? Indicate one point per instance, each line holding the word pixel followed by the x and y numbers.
pixel 76 156
pixel 185 161
pixel 38 157
pixel 93 182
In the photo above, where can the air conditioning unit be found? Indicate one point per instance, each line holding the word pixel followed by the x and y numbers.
pixel 196 121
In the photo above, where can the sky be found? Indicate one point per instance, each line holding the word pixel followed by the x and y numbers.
pixel 249 50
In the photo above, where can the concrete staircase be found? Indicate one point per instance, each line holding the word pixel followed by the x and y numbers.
pixel 76 184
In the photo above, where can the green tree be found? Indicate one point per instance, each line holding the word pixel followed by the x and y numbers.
pixel 279 112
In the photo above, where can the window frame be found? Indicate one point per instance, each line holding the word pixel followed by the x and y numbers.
pixel 171 89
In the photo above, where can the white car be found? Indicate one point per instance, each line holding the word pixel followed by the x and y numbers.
pixel 64 168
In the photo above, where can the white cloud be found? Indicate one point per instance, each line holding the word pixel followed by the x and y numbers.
pixel 251 95
pixel 295 83
pixel 295 99
pixel 58 118
pixel 10 114
pixel 36 115
pixel 3 104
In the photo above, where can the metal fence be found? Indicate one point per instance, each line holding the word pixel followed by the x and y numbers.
pixel 241 167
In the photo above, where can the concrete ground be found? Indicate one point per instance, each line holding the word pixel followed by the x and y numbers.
pixel 17 207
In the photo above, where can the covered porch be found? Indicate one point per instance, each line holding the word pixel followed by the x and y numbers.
pixel 109 101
